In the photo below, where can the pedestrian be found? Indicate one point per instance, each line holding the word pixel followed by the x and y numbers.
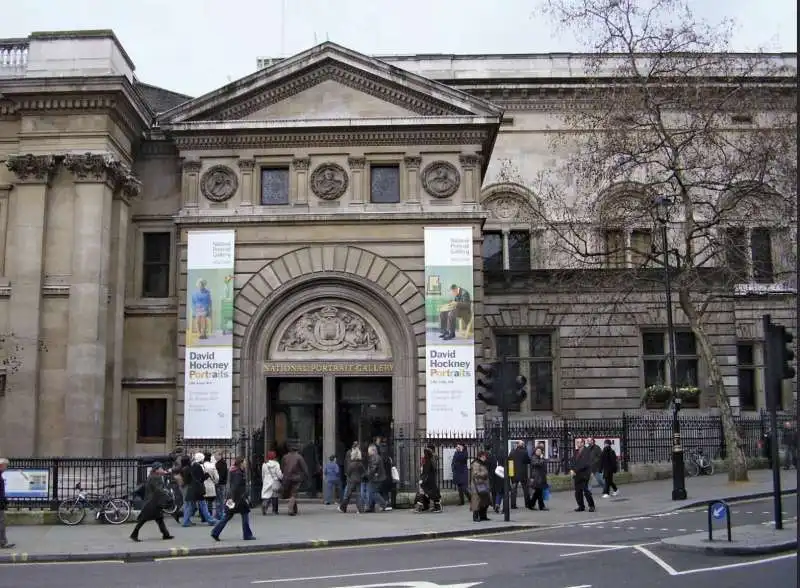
pixel 481 496
pixel 333 480
pixel 210 480
pixel 222 484
pixel 609 467
pixel 496 482
pixel 195 489
pixel 271 477
pixel 595 452
pixel 538 479
pixel 766 448
pixel 460 468
pixel 581 473
pixel 789 441
pixel 155 497
pixel 428 483
pixel 522 462
pixel 354 473
pixel 295 472
pixel 4 544
pixel 236 502
pixel 376 476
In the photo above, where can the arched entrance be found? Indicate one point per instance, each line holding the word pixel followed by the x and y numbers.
pixel 328 355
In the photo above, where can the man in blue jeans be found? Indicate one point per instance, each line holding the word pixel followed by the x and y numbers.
pixel 333 480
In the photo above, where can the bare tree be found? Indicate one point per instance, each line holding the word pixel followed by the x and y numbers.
pixel 671 116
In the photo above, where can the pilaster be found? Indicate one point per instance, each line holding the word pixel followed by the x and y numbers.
pixel 412 164
pixel 5 189
pixel 356 165
pixel 20 405
pixel 470 164
pixel 246 167
pixel 190 183
pixel 328 416
pixel 300 167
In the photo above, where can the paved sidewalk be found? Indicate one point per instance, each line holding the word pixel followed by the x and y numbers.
pixel 745 540
pixel 319 525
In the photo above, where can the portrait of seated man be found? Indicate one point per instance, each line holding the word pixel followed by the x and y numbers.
pixel 459 308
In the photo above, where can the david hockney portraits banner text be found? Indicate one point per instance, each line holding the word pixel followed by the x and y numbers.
pixel 208 378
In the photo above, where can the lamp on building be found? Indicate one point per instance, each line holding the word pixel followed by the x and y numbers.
pixel 662 205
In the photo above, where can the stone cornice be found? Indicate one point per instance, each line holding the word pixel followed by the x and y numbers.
pixel 333 138
pixel 380 216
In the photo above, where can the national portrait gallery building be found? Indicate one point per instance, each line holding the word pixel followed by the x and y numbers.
pixel 324 248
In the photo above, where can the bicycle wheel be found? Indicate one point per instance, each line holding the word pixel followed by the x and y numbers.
pixel 709 469
pixel 116 511
pixel 71 512
pixel 171 506
pixel 691 468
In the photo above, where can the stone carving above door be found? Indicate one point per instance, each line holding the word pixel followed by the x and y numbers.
pixel 441 179
pixel 219 183
pixel 329 329
pixel 329 181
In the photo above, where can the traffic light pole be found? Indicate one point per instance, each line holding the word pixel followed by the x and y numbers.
pixel 772 392
pixel 506 479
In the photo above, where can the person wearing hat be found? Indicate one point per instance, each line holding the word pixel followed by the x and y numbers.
pixel 155 497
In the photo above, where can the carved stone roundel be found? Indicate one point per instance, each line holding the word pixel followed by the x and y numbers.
pixel 441 179
pixel 329 329
pixel 329 181
pixel 219 183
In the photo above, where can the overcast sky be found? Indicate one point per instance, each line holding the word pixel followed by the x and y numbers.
pixel 195 46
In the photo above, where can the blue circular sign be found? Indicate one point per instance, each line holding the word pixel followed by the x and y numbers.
pixel 718 510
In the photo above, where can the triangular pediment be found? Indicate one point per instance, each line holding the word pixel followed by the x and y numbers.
pixel 330 82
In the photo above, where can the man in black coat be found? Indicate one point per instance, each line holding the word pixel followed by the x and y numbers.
pixel 155 497
pixel 522 463
pixel 581 473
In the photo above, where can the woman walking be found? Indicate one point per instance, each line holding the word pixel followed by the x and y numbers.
pixel 481 495
pixel 538 479
pixel 608 465
pixel 154 499
pixel 429 483
pixel 354 472
pixel 237 502
pixel 271 477
pixel 460 469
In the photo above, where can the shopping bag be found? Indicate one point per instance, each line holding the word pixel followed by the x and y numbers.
pixel 395 474
pixel 500 472
pixel 546 493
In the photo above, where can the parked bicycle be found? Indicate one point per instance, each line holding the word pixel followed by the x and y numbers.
pixel 72 511
pixel 697 464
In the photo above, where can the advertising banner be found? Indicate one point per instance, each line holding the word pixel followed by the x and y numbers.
pixel 449 342
pixel 208 377
pixel 27 483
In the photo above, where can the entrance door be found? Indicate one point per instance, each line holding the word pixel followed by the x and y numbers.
pixel 363 411
pixel 295 417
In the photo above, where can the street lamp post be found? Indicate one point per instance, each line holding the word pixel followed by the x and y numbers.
pixel 678 470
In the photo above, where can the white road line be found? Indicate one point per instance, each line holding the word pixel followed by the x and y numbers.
pixel 681 530
pixel 580 586
pixel 742 564
pixel 541 543
pixel 630 519
pixel 376 573
pixel 653 557
pixel 631 528
pixel 648 528
pixel 594 551
pixel 615 528
pixel 664 529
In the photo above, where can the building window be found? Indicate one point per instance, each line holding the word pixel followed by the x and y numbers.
pixel 745 353
pixel 156 264
pixel 151 420
pixel 384 184
pixel 518 256
pixel 540 382
pixel 628 248
pixel 274 186
pixel 748 254
pixel 493 252
pixel 655 353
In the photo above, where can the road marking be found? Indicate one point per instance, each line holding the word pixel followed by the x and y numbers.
pixel 541 543
pixel 648 528
pixel 653 557
pixel 664 529
pixel 590 551
pixel 64 563
pixel 361 574
pixel 580 586
pixel 616 528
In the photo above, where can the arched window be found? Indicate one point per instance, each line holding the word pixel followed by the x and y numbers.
pixel 625 215
pixel 510 241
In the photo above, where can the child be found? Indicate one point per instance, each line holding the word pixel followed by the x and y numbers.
pixel 333 480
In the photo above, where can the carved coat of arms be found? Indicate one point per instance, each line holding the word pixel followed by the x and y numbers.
pixel 329 329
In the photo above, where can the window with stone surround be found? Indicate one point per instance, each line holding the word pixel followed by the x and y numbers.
pixel 748 254
pixel 655 355
pixel 274 186
pixel 384 184
pixel 151 420
pixel 156 263
pixel 506 251
pixel 747 375
pixel 631 248
pixel 538 366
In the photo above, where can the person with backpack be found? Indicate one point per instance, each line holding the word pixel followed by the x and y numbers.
pixel 608 467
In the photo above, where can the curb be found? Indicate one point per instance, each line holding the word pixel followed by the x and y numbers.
pixel 178 552
pixel 734 498
pixel 783 546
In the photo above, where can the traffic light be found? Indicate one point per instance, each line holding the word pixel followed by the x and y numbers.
pixel 491 382
pixel 785 339
pixel 519 393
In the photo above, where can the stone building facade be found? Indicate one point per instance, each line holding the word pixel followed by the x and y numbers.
pixel 328 165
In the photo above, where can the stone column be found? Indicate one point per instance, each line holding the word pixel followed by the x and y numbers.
pixel 328 416
pixel 506 252
pixel 20 410
pixel 4 191
pixel 412 173
pixel 246 167
pixel 470 164
pixel 356 165
pixel 190 183
pixel 96 177
pixel 300 166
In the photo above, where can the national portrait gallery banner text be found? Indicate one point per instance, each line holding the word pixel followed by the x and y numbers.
pixel 208 377
pixel 449 339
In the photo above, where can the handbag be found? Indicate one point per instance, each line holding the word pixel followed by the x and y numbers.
pixel 546 493
pixel 500 471
pixel 395 474
pixel 482 488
